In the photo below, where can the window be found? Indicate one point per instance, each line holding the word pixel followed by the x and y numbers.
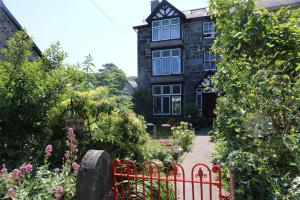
pixel 199 104
pixel 166 99
pixel 166 29
pixel 209 61
pixel 166 62
pixel 208 30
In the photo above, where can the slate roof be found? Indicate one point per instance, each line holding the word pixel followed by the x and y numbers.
pixel 133 83
pixel 16 23
pixel 203 12
pixel 275 4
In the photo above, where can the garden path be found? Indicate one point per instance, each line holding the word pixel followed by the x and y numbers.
pixel 201 153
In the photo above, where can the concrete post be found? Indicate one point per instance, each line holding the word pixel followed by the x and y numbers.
pixel 94 178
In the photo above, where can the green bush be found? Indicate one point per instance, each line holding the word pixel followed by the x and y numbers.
pixel 257 125
pixel 39 182
pixel 183 136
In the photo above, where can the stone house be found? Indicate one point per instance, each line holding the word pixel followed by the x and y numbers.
pixel 175 62
pixel 8 26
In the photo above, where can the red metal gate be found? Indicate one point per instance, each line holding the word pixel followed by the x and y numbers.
pixel 154 181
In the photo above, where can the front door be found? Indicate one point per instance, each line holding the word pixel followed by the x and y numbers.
pixel 209 105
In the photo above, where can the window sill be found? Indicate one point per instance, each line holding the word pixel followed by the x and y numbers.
pixel 166 44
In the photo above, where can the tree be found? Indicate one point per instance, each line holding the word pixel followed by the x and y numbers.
pixel 111 77
pixel 257 126
pixel 28 90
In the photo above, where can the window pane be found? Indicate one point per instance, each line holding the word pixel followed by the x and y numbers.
pixel 176 89
pixel 156 67
pixel 199 101
pixel 175 52
pixel 175 31
pixel 176 105
pixel 175 21
pixel 206 56
pixel 165 33
pixel 166 89
pixel 166 53
pixel 166 22
pixel 157 105
pixel 156 24
pixel 166 105
pixel 213 66
pixel 207 65
pixel 155 34
pixel 156 54
pixel 156 89
pixel 176 67
pixel 166 66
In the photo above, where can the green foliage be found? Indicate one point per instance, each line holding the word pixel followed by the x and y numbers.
pixel 183 136
pixel 111 126
pixel 257 123
pixel 112 77
pixel 39 182
pixel 29 88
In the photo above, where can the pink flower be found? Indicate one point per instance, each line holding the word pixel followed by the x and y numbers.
pixel 59 192
pixel 11 193
pixel 48 150
pixel 75 167
pixel 3 170
pixel 16 174
pixel 26 168
pixel 56 170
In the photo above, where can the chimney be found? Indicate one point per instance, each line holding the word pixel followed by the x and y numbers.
pixel 154 4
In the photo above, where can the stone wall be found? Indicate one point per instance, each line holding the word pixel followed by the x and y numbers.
pixel 7 29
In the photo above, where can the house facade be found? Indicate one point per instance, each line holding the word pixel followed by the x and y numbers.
pixel 175 62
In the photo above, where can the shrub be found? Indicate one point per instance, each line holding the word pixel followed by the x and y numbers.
pixel 183 136
pixel 29 182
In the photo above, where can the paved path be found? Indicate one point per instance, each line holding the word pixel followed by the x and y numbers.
pixel 200 153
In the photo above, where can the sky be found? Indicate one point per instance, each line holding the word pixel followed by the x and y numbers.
pixel 101 28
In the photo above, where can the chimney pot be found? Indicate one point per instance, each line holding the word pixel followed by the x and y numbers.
pixel 154 4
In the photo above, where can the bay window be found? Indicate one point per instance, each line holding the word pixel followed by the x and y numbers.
pixel 209 61
pixel 166 99
pixel 166 62
pixel 166 29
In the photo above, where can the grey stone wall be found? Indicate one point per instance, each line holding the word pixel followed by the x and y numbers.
pixel 193 48
pixel 7 30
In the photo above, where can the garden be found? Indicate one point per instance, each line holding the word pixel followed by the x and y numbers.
pixel 52 113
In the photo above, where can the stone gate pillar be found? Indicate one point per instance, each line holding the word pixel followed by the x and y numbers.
pixel 94 178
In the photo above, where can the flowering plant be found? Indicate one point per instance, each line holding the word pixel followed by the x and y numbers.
pixel 29 182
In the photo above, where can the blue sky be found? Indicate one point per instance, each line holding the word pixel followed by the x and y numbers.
pixel 82 29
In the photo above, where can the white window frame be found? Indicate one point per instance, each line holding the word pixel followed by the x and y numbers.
pixel 211 59
pixel 199 94
pixel 159 28
pixel 208 33
pixel 161 61
pixel 170 96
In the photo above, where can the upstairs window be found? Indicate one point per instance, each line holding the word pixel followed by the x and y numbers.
pixel 209 61
pixel 166 29
pixel 208 30
pixel 166 62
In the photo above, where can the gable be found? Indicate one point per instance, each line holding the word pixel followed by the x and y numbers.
pixel 165 10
